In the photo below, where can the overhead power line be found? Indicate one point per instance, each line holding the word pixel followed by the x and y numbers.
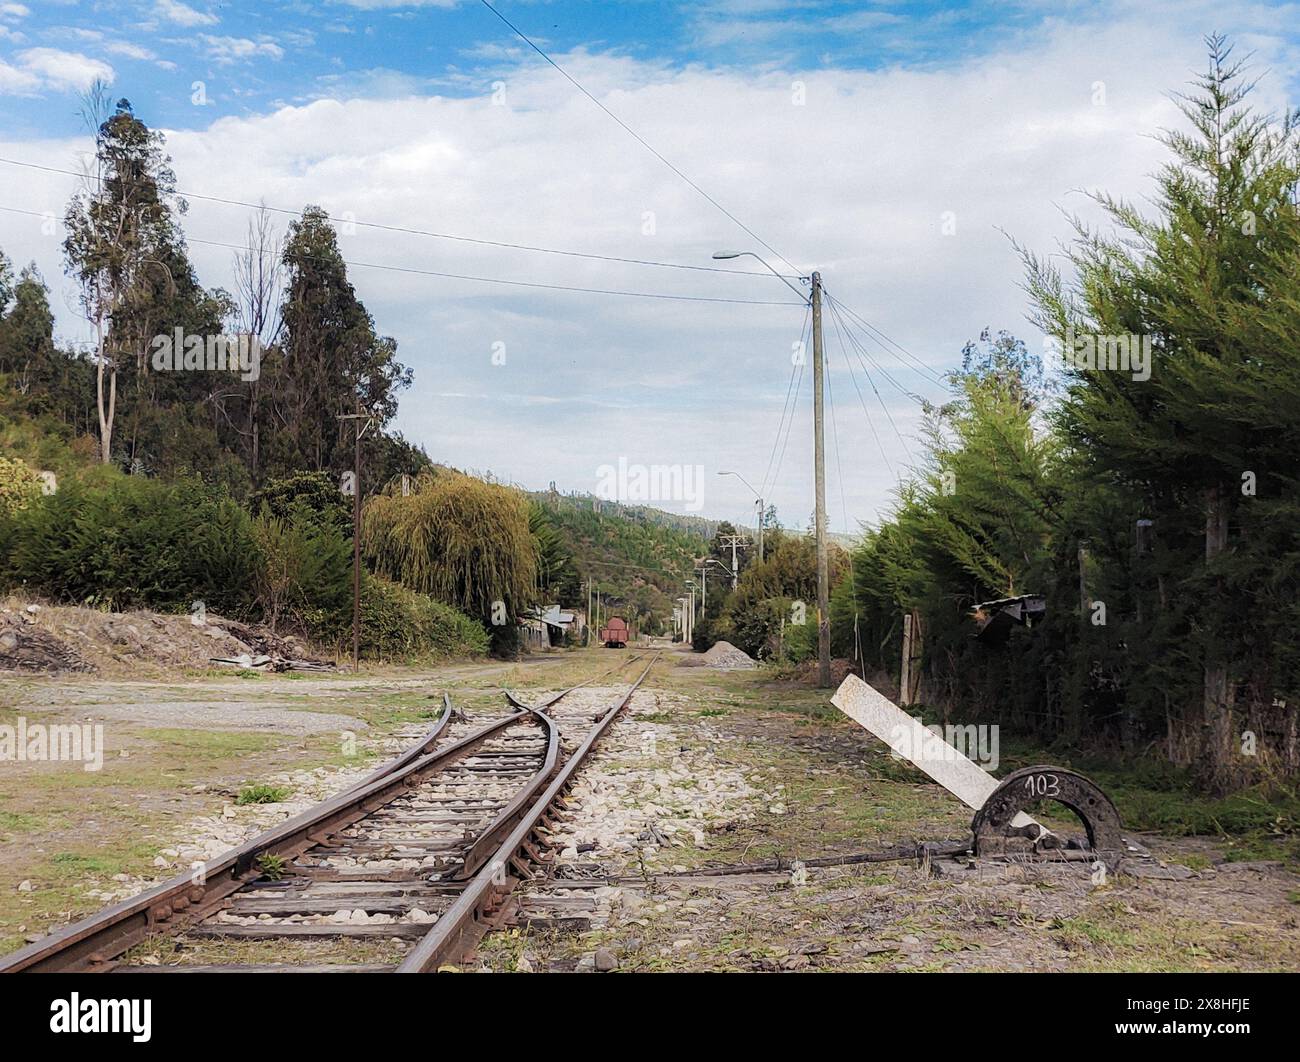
pixel 409 231
pixel 920 367
pixel 635 135
pixel 862 401
pixel 795 366
pixel 483 280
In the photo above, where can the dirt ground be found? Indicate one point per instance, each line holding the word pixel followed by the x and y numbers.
pixel 708 769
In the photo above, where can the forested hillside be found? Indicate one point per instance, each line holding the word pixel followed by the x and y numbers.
pixel 637 557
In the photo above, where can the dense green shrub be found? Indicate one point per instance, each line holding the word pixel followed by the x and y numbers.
pixel 135 543
pixel 315 493
pixel 303 573
pixel 399 624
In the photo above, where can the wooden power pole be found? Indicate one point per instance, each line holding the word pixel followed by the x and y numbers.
pixel 361 424
pixel 819 519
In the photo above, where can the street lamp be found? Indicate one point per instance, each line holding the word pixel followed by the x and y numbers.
pixel 724 256
pixel 759 506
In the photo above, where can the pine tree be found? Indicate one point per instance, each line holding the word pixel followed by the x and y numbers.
pixel 1209 278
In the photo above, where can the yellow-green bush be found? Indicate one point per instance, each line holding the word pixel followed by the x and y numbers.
pixel 18 485
pixel 399 624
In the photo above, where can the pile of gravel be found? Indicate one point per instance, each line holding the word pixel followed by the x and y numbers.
pixel 726 657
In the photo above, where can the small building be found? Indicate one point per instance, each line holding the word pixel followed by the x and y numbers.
pixel 548 626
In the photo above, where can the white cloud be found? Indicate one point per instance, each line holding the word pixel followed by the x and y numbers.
pixel 857 183
pixel 237 49
pixel 14 11
pixel 42 69
pixel 16 82
pixel 128 50
pixel 183 14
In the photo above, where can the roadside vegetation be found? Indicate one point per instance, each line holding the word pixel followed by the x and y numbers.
pixel 1152 504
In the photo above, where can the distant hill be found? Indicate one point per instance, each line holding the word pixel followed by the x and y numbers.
pixel 639 558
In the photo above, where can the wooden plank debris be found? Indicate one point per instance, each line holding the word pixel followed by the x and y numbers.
pixel 962 777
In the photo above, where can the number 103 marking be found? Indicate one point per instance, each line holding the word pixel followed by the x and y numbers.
pixel 1043 785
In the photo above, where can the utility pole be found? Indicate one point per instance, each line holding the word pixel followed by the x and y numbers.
pixel 819 459
pixel 823 574
pixel 734 541
pixel 758 499
pixel 704 586
pixel 359 430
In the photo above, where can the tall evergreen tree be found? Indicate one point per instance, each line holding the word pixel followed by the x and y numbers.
pixel 330 361
pixel 1203 448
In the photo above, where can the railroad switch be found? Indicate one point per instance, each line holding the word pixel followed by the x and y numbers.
pixel 997 834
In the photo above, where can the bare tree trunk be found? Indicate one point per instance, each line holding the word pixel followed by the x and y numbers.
pixel 105 412
pixel 1217 709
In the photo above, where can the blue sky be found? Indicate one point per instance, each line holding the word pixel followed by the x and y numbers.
pixel 253 55
pixel 892 146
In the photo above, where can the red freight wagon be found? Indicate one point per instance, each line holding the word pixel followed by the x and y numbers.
pixel 614 634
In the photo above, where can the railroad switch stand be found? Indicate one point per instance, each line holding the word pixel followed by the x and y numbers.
pixel 996 834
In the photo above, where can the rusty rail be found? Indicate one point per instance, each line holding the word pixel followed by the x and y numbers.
pixel 419 748
pixel 517 702
pixel 461 925
pixel 176 904
pixel 173 907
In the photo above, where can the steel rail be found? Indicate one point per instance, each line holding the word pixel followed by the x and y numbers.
pixel 460 924
pixel 419 748
pixel 487 842
pixel 517 702
pixel 95 941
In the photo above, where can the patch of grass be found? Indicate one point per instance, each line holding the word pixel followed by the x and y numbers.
pixel 1256 847
pixel 1192 860
pixel 1097 930
pixel 209 744
pixel 263 794
pixel 17 822
pixel 84 864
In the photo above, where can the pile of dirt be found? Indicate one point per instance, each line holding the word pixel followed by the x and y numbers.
pixel 25 646
pixel 55 638
pixel 726 657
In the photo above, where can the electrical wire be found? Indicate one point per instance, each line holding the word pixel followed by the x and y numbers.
pixel 482 280
pixel 835 321
pixel 862 351
pixel 637 136
pixel 844 506
pixel 794 367
pixel 417 232
pixel 798 390
pixel 920 367
pixel 864 356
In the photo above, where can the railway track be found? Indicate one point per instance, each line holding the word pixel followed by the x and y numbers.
pixel 404 871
